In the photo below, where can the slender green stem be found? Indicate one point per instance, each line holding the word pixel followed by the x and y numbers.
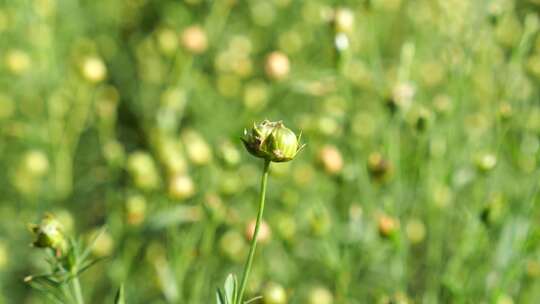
pixel 247 266
pixel 77 289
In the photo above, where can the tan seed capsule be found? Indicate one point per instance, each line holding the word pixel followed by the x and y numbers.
pixel 331 159
pixel 387 226
pixel 264 231
pixel 277 65
pixel 194 39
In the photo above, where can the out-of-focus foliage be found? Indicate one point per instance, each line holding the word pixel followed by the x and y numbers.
pixel 419 183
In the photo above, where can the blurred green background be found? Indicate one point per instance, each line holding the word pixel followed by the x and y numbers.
pixel 419 183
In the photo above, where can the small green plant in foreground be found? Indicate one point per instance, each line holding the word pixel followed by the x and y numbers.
pixel 273 142
pixel 67 259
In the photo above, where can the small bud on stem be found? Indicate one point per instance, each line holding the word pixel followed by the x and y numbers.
pixel 272 141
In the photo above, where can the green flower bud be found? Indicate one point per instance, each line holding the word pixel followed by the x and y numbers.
pixel 48 233
pixel 272 141
pixel 254 138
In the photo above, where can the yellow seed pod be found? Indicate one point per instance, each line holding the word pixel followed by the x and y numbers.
pixel 104 243
pixel 17 61
pixel 198 151
pixel 7 107
pixel 143 170
pixel 167 41
pixel 274 294
pixel 181 187
pixel 36 163
pixel 93 69
pixel 416 231
pixel 4 258
pixel 344 20
pixel 136 209
pixel 320 295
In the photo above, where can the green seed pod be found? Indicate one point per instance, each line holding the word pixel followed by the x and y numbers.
pixel 272 141
pixel 48 233
pixel 282 144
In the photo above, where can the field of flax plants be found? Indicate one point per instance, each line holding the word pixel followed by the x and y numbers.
pixel 139 141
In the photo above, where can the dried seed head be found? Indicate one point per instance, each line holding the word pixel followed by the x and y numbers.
pixel 380 170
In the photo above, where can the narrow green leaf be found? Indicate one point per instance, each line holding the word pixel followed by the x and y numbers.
pixel 88 249
pixel 120 298
pixel 89 264
pixel 235 294
pixel 220 299
pixel 253 299
pixel 230 287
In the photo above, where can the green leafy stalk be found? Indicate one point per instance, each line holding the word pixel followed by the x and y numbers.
pixel 77 290
pixel 251 254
